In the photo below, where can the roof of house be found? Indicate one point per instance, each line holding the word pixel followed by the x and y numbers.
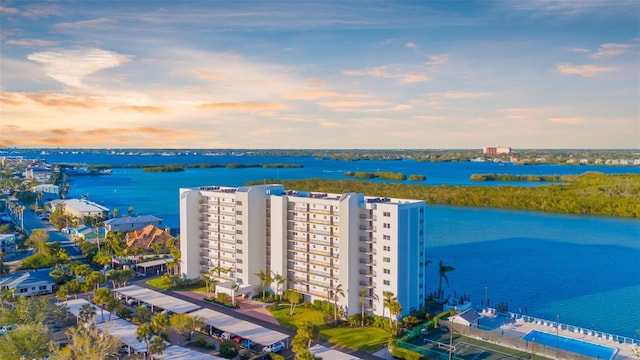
pixel 469 316
pixel 133 220
pixel 25 279
pixel 146 237
pixel 79 205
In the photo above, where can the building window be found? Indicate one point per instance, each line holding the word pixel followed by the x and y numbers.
pixel 239 212
pixel 239 232
pixel 386 214
pixel 239 203
pixel 386 282
pixel 43 287
pixel 239 261
pixel 238 222
pixel 386 259
pixel 386 226
pixel 239 251
pixel 239 271
pixel 386 237
pixel 386 271
pixel 386 248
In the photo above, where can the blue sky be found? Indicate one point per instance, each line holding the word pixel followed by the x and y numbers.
pixel 321 74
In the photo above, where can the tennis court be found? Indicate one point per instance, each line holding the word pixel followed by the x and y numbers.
pixel 436 346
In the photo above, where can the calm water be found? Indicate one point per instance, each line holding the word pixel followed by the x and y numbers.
pixel 584 268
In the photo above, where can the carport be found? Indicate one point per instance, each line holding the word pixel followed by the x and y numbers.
pixel 178 352
pixel 75 306
pixel 124 330
pixel 244 329
pixel 157 299
pixel 155 266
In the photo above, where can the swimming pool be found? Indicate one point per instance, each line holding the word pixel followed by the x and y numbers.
pixel 595 351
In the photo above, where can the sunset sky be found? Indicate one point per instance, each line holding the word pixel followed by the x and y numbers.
pixel 320 74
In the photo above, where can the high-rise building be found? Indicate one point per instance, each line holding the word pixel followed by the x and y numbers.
pixel 318 242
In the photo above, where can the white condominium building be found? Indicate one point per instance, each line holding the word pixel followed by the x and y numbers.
pixel 364 245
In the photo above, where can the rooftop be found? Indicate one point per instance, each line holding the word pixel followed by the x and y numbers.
pixel 133 220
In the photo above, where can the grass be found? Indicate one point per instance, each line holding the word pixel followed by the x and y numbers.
pixel 162 284
pixel 158 283
pixel 369 339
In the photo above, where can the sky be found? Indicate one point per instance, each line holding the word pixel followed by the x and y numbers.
pixel 539 74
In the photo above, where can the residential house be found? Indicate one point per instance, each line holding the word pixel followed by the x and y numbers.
pixel 147 237
pixel 29 283
pixel 131 223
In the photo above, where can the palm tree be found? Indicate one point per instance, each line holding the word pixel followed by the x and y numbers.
pixel 388 296
pixel 426 263
pixel 363 294
pixel 219 270
pixel 265 279
pixel 279 280
pixel 234 288
pixel 144 333
pixel 86 313
pixel 338 291
pixel 444 269
pixel 395 308
pixel 101 298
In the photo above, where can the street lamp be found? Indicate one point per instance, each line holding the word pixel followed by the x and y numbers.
pixel 557 333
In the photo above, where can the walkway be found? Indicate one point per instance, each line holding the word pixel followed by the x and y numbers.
pixel 252 308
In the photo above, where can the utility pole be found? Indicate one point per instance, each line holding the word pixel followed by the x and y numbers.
pixel 450 340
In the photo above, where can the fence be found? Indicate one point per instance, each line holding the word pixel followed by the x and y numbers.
pixel 513 343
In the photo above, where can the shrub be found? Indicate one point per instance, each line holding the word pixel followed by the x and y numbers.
pixel 228 349
pixel 402 353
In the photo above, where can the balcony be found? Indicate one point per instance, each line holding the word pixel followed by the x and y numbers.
pixel 368 284
pixel 320 252
pixel 317 282
pixel 366 272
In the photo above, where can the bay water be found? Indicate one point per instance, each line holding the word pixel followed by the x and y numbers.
pixel 584 268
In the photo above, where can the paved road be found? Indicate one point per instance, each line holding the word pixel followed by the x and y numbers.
pixel 245 317
pixel 32 222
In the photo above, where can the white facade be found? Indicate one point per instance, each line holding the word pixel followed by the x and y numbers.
pixel 319 242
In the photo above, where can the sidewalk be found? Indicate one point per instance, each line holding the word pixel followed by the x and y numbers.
pixel 251 308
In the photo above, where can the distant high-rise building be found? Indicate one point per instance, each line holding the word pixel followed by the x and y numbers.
pixel 496 150
pixel 316 241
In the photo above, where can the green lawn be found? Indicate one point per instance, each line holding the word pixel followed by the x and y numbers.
pixel 367 339
pixel 161 284
pixel 301 314
pixel 158 283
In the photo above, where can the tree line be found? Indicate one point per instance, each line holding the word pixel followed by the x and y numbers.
pixel 592 193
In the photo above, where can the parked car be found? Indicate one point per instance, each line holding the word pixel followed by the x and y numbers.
pixel 217 334
pixel 274 347
pixel 237 339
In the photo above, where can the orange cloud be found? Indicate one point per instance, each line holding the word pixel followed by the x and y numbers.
pixel 243 106
pixel 352 104
pixel 610 49
pixel 10 99
pixel 141 109
pixel 583 70
pixel 325 123
pixel 462 95
pixel 31 42
pixel 392 72
pixel 208 76
pixel 60 100
pixel 567 120
pixel 99 137
pixel 314 95
pixel 8 10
